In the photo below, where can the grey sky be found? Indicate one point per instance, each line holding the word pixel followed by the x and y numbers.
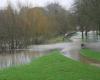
pixel 65 3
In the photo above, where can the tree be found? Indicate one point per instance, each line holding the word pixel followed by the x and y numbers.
pixel 88 14
pixel 60 17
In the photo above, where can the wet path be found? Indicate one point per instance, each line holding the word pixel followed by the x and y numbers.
pixel 69 49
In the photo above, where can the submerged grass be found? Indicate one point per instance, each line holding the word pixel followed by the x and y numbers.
pixel 53 66
pixel 58 39
pixel 91 54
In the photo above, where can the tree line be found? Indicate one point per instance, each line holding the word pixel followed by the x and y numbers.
pixel 19 29
pixel 88 16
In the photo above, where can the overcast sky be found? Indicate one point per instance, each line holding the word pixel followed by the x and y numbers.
pixel 65 3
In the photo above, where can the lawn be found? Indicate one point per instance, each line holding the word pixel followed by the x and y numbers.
pixel 91 54
pixel 53 66
pixel 58 39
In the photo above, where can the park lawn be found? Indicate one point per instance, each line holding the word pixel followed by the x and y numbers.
pixel 91 54
pixel 53 66
pixel 58 39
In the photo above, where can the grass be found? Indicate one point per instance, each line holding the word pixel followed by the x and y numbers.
pixel 53 66
pixel 58 39
pixel 91 54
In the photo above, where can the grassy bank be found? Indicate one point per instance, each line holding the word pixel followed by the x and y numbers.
pixel 90 54
pixel 58 39
pixel 54 66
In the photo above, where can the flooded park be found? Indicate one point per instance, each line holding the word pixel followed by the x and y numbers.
pixel 49 39
pixel 68 49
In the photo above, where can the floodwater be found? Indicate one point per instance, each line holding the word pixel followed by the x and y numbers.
pixel 68 49
pixel 18 57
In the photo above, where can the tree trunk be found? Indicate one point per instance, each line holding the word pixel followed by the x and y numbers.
pixel 86 33
pixel 82 30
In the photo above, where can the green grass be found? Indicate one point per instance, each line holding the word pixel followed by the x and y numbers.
pixel 58 39
pixel 53 66
pixel 91 54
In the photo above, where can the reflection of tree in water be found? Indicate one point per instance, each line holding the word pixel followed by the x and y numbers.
pixel 17 58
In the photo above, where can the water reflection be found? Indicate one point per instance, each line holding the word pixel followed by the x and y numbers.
pixel 18 57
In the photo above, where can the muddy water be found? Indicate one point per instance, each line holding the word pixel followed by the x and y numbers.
pixel 69 49
pixel 75 55
pixel 18 57
pixel 73 50
pixel 90 61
